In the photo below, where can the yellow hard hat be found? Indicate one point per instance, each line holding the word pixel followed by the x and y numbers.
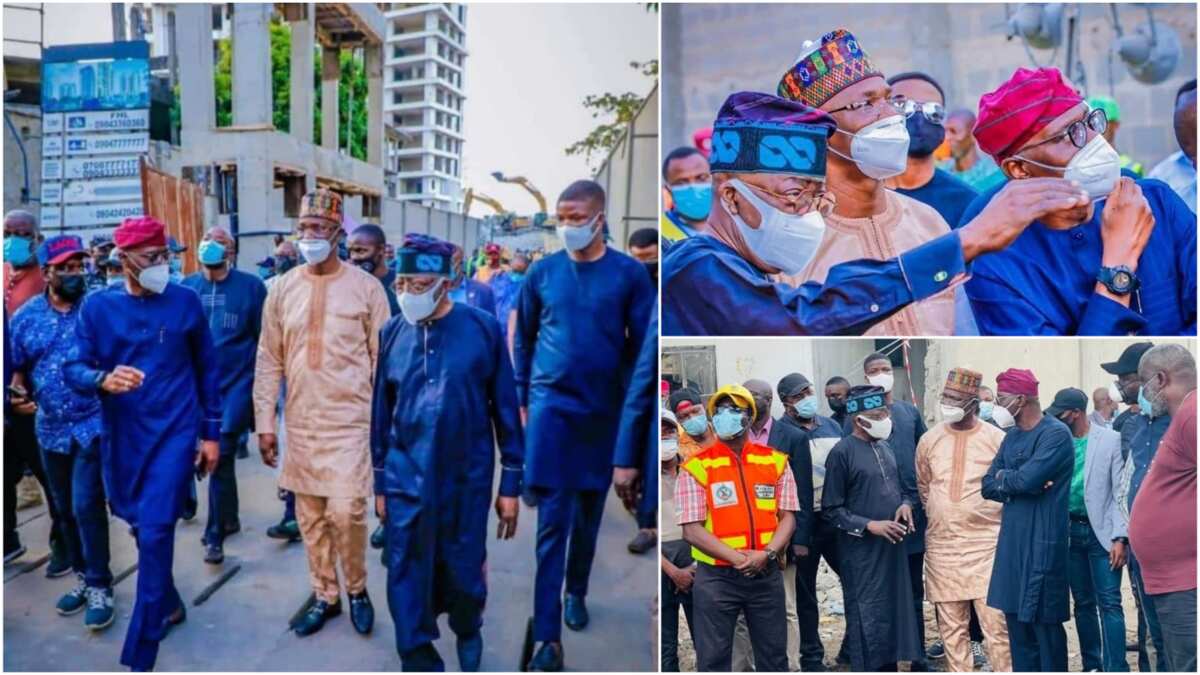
pixel 738 393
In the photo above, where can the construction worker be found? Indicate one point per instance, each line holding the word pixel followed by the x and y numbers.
pixel 735 501
pixel 1113 112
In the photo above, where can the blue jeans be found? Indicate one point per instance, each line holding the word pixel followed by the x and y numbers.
pixel 77 488
pixel 1096 590
pixel 222 492
pixel 568 524
pixel 1148 615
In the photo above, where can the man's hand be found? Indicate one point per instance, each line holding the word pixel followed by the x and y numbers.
pixel 888 529
pixel 753 564
pixel 268 446
pixel 207 457
pixel 799 551
pixel 381 508
pixel 507 510
pixel 1117 556
pixel 1013 208
pixel 123 379
pixel 23 405
pixel 683 578
pixel 524 416
pixel 1125 225
pixel 904 516
pixel 625 480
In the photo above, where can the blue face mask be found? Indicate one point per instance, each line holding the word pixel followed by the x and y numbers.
pixel 176 265
pixel 693 201
pixel 806 407
pixel 265 273
pixel 18 251
pixel 696 426
pixel 985 409
pixel 211 253
pixel 517 276
pixel 728 423
pixel 1145 405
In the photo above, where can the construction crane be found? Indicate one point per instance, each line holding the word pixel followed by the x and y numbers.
pixel 471 195
pixel 538 217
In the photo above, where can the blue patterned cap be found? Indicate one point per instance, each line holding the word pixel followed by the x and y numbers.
pixel 865 397
pixel 760 133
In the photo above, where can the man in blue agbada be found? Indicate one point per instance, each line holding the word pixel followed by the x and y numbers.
pixel 1123 263
pixel 581 317
pixel 1031 476
pixel 470 292
pixel 146 348
pixel 233 303
pixel 443 391
pixel 769 194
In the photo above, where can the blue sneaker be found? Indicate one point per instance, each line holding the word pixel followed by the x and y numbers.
pixel 100 612
pixel 74 600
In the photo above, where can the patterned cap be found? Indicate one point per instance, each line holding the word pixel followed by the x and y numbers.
pixel 761 133
pixel 424 254
pixel 836 63
pixel 865 397
pixel 322 203
pixel 964 381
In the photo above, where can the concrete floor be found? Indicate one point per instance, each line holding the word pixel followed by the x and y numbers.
pixel 242 626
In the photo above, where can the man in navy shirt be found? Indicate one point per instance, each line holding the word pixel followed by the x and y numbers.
pixel 1123 264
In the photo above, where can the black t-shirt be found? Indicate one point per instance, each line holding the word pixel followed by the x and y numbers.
pixel 948 195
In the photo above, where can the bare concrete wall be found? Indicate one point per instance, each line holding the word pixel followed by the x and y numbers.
pixel 712 50
pixel 27 123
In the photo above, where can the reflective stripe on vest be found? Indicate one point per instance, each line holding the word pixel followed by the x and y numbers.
pixel 739 495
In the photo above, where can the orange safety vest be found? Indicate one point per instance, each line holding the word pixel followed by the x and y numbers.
pixel 740 495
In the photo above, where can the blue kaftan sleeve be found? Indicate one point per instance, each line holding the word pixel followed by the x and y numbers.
pixel 383 402
pixel 506 418
pixel 1053 455
pixel 82 365
pixel 529 309
pixel 208 372
pixel 834 509
pixel 638 412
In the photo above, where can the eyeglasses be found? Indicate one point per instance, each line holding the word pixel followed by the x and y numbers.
pixel 1077 131
pixel 156 257
pixel 934 112
pixel 796 200
pixel 896 103
pixel 319 229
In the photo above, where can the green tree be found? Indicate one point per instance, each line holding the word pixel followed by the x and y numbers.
pixel 618 111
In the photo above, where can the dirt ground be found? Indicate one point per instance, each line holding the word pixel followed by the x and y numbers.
pixel 832 625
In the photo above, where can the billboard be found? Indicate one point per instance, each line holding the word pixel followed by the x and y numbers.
pixel 95 132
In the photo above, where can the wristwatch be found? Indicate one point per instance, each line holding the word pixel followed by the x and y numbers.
pixel 772 555
pixel 1119 280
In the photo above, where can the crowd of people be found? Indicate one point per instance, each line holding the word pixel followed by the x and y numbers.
pixel 1009 517
pixel 363 369
pixel 823 209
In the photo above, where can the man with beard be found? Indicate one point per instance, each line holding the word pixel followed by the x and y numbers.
pixel 233 302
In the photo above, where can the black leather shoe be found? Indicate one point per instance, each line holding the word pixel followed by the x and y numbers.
pixel 362 613
pixel 287 529
pixel 233 528
pixel 643 541
pixel 177 617
pixel 548 659
pixel 189 509
pixel 470 652
pixel 214 554
pixel 575 613
pixel 377 537
pixel 316 616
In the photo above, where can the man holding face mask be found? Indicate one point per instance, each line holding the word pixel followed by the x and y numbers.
pixel 146 348
pixel 1122 263
pixel 320 331
pixel 443 401
pixel 233 302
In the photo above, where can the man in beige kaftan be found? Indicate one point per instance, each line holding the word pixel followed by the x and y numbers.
pixel 320 331
pixel 960 544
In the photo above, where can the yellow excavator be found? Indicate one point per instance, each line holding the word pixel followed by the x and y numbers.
pixel 540 218
pixel 471 195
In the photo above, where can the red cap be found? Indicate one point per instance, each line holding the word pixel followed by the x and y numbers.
pixel 1021 107
pixel 1017 381
pixel 492 248
pixel 141 231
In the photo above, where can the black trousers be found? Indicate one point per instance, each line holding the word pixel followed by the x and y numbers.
pixel 672 600
pixel 823 544
pixel 1037 647
pixel 916 576
pixel 21 452
pixel 719 595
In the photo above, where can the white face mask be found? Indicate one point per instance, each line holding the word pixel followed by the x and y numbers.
pixel 315 251
pixel 952 414
pixel 780 240
pixel 1096 166
pixel 577 238
pixel 1114 393
pixel 1002 417
pixel 155 278
pixel 417 307
pixel 880 149
pixel 884 380
pixel 878 429
pixel 668 448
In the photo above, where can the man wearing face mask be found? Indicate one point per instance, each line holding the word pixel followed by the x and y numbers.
pixel 176 263
pixel 1096 549
pixel 872 510
pixel 100 246
pixel 736 502
pixel 493 267
pixel 836 390
pixel 68 426
pixel 697 432
pixel 1123 263
pixel 987 404
pixel 1162 527
pixel 581 317
pixel 643 246
pixel 444 400
pixel 687 188
pixel 146 349
pixel 233 302
pixel 320 331
pixel 469 291
pixel 286 257
pixel 505 289
pixel 1031 476
pixel 1179 169
pixel 814 537
pixel 678 567
pixel 768 166
pixel 1128 386
pixel 367 247
pixel 961 542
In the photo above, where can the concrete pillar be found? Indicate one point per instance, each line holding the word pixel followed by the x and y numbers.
pixel 301 99
pixel 255 190
pixel 193 36
pixel 331 73
pixel 251 64
pixel 373 63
